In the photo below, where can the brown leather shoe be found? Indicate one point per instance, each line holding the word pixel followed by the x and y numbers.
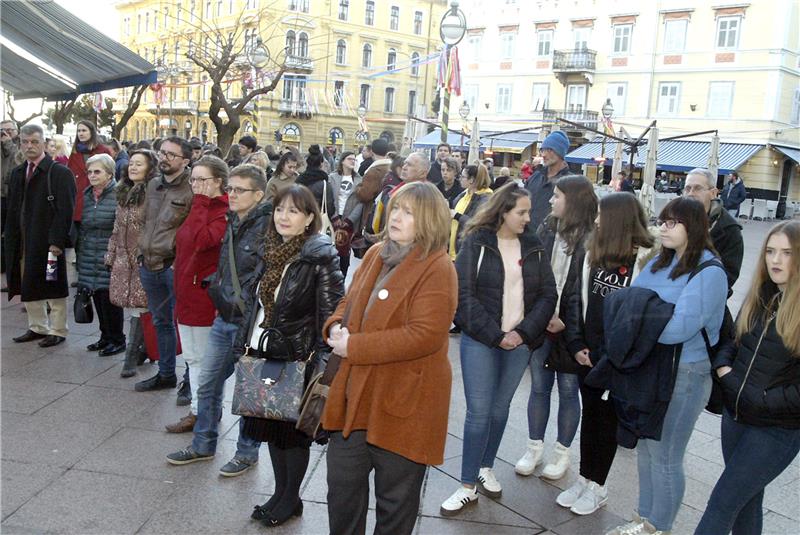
pixel 184 425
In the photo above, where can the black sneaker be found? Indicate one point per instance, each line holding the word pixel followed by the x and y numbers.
pixel 236 467
pixel 157 382
pixel 184 394
pixel 187 456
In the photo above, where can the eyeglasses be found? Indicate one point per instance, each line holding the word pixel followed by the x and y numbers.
pixel 692 187
pixel 194 179
pixel 237 190
pixel 669 223
pixel 169 156
pixel 95 172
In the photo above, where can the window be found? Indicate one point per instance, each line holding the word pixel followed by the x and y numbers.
pixel 247 42
pixel 669 94
pixel 506 45
pixel 338 93
pixel 219 8
pixel 474 46
pixel 617 92
pixel 139 23
pixel 302 45
pixel 394 18
pixel 369 14
pixel 147 22
pixel 391 60
pixel 414 64
pixel 470 94
pixel 204 87
pixel 344 8
pixel 540 96
pixel 418 23
pixel 294 88
pixel 179 14
pixel 190 49
pixel 728 32
pixel 298 5
pixel 503 98
pixel 720 98
pixel 545 40
pixel 622 38
pixel 207 12
pixel 675 35
pixel 155 21
pixel 366 56
pixel 576 98
pixel 288 88
pixel 251 4
pixel 795 118
pixel 580 38
pixel 363 96
pixel 192 12
pixel 341 52
pixel 166 17
pixel 412 103
pixel 291 41
pixel 177 52
pixel 388 100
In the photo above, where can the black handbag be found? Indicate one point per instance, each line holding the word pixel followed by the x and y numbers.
pixel 82 308
pixel 276 348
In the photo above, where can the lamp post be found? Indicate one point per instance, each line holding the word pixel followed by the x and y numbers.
pixel 463 111
pixel 607 110
pixel 451 30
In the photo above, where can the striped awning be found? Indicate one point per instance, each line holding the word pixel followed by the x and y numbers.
pixel 513 143
pixel 674 155
pixel 57 38
pixel 789 152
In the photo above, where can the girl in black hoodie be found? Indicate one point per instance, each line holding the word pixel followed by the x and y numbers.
pixel 315 179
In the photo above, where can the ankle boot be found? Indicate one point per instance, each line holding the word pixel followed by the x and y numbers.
pixel 135 336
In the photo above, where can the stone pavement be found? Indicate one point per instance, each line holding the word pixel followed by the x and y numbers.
pixel 83 453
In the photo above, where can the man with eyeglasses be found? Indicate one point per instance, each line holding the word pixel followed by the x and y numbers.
pixel 726 233
pixel 167 203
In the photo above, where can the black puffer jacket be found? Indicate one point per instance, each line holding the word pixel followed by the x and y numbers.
pixel 309 292
pixel 763 389
pixel 248 245
pixel 480 294
pixel 726 235
pixel 316 180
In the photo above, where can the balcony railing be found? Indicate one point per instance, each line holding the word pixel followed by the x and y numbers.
pixel 583 117
pixel 576 60
pixel 299 63
pixel 177 106
pixel 293 106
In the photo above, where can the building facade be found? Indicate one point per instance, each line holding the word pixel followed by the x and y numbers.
pixel 692 66
pixel 340 55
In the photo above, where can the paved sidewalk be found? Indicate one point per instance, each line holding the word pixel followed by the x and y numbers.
pixel 83 453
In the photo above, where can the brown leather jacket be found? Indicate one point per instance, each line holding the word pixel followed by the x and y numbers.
pixel 370 186
pixel 166 206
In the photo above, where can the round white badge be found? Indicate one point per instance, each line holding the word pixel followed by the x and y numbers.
pixel 383 295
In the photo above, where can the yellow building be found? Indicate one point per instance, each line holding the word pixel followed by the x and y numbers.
pixel 341 54
pixel 691 65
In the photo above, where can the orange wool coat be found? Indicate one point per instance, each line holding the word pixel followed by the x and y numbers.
pixel 395 382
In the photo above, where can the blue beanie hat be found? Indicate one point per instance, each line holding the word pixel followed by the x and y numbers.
pixel 558 142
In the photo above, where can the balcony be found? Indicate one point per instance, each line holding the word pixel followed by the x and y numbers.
pixel 581 61
pixel 296 108
pixel 177 106
pixel 299 64
pixel 582 117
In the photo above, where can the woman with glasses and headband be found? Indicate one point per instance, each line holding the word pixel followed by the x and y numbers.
pixel 699 304
pixel 197 246
pixel 349 210
pixel 87 144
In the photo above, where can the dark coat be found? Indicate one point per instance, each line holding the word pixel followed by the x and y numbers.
pixel 733 195
pixel 435 173
pixel 248 251
pixel 638 371
pixel 480 295
pixel 97 226
pixel 310 289
pixel 120 162
pixel 317 181
pixel 763 389
pixel 33 226
pixel 77 164
pixel 726 235
pixel 541 189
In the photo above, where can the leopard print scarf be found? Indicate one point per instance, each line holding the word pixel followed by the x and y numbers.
pixel 278 254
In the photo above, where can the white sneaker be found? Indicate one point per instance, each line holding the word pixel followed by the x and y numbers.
pixel 533 456
pixel 458 500
pixel 488 481
pixel 558 464
pixel 571 495
pixel 593 498
pixel 634 527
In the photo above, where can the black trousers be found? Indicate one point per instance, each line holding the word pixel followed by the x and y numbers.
pixel 344 263
pixel 598 435
pixel 110 316
pixel 398 482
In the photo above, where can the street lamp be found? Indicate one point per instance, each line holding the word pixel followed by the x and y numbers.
pixel 451 29
pixel 258 56
pixel 463 111
pixel 361 111
pixel 607 110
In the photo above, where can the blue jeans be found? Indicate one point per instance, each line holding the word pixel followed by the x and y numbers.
pixel 491 376
pixel 661 478
pixel 569 406
pixel 754 456
pixel 217 366
pixel 160 290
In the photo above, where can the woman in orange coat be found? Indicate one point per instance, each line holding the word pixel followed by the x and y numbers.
pixel 388 405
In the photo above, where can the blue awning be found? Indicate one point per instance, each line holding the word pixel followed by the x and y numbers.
pixel 789 152
pixel 514 143
pixel 432 139
pixel 674 155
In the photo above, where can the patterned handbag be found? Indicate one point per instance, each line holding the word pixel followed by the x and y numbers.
pixel 269 388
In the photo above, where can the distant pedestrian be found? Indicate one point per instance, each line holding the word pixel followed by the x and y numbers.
pixel 476 184
pixel 450 186
pixel 285 175
pixel 733 194
pixel 541 184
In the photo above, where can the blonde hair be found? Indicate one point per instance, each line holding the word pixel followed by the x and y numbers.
pixel 431 215
pixel 61 146
pixel 761 297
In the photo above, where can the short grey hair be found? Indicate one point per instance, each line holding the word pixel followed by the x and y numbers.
pixel 702 171
pixel 426 162
pixel 30 129
pixel 103 160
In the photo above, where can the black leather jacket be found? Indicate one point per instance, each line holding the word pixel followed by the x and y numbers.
pixel 248 245
pixel 308 293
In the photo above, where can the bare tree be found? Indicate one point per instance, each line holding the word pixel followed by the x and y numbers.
pixel 133 104
pixel 21 122
pixel 61 114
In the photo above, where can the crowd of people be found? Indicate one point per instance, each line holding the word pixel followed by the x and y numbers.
pixel 247 256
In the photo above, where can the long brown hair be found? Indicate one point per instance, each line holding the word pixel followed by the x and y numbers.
pixel 431 215
pixel 94 139
pixel 761 299
pixel 580 213
pixel 692 215
pixel 622 228
pixel 490 215
pixel 303 200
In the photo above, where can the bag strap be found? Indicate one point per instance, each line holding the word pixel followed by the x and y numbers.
pixel 325 197
pixel 237 287
pixel 50 197
pixel 695 271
